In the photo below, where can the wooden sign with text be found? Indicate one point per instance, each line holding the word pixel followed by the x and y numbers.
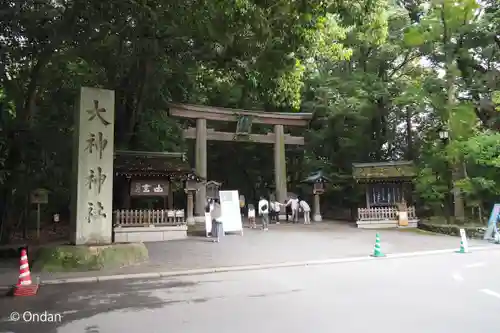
pixel 39 196
pixel 149 188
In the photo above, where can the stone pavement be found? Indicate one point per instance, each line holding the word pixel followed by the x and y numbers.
pixel 447 293
pixel 282 243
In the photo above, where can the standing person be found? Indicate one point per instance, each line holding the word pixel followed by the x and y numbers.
pixel 288 210
pixel 277 210
pixel 271 211
pixel 242 205
pixel 264 212
pixel 208 216
pixel 251 216
pixel 294 204
pixel 307 211
pixel 217 228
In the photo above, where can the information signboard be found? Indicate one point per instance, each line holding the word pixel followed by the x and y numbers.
pixel 230 209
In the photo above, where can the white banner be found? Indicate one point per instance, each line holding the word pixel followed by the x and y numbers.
pixel 230 209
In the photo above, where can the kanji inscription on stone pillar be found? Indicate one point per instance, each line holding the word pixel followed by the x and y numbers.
pixel 92 196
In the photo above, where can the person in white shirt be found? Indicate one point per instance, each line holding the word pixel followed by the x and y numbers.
pixel 217 227
pixel 272 211
pixel 294 204
pixel 264 212
pixel 251 216
pixel 277 210
pixel 307 211
pixel 208 216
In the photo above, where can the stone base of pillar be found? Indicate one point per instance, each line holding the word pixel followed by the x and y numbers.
pixel 190 221
pixel 199 220
pixel 317 218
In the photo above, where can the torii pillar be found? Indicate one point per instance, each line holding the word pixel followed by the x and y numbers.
pixel 279 139
pixel 280 178
pixel 201 167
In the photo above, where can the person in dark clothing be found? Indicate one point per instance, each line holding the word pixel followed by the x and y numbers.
pixel 273 216
pixel 288 210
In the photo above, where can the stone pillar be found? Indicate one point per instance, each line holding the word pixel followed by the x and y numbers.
pixel 201 167
pixel 280 164
pixel 317 210
pixel 92 193
pixel 189 210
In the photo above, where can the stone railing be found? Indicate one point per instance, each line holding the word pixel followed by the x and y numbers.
pixel 383 214
pixel 145 217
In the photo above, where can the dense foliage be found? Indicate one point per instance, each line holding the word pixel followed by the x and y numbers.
pixel 381 77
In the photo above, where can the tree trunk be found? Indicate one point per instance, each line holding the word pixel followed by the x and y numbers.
pixel 19 136
pixel 409 134
pixel 457 167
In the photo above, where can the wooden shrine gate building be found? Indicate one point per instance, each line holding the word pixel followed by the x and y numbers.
pixel 244 119
pixel 388 191
pixel 145 209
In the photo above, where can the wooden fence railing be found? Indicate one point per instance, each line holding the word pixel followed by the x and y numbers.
pixel 144 217
pixel 383 213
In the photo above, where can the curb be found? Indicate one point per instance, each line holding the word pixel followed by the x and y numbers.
pixel 203 271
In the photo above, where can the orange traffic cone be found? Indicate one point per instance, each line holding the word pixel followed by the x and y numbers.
pixel 24 286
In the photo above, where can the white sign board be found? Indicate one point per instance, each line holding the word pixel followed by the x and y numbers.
pixel 230 209
pixel 463 236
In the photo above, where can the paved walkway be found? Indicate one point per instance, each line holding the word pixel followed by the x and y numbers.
pixel 447 293
pixel 282 243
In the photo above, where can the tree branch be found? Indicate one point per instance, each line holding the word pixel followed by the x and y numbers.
pixel 407 59
pixel 445 27
pixel 497 40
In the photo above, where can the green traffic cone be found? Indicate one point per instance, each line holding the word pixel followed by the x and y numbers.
pixel 376 251
pixel 462 248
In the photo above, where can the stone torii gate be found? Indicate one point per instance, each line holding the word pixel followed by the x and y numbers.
pixel 244 119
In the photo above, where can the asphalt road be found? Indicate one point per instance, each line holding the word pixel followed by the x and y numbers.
pixel 451 293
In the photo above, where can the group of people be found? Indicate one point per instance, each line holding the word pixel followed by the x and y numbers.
pixel 266 210
pixel 270 211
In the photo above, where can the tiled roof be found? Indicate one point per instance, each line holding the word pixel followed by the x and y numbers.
pixel 384 170
pixel 152 164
